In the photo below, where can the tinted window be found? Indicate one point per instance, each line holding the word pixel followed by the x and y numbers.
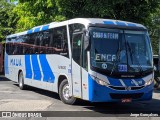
pixel 53 41
pixel 77 43
pixel 73 27
pixel 60 41
pixel 76 48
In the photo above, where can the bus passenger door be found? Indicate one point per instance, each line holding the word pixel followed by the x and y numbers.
pixel 76 64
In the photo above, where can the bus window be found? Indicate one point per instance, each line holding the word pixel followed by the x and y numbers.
pixel 76 48
pixel 60 41
pixel 73 27
pixel 44 43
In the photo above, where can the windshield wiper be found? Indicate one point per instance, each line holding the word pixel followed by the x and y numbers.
pixel 117 58
pixel 130 51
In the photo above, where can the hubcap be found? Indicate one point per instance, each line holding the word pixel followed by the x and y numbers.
pixel 66 92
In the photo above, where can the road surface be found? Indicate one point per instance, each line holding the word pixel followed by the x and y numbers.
pixel 33 99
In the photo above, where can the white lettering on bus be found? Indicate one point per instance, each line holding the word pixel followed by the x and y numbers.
pixel 105 35
pixel 15 62
pixel 105 57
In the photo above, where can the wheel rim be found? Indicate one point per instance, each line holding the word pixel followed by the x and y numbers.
pixel 65 92
pixel 20 79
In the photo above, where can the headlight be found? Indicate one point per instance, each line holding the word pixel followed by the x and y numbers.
pixel 99 81
pixel 148 82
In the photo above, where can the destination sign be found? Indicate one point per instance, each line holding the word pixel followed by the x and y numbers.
pixel 105 35
pixel 105 57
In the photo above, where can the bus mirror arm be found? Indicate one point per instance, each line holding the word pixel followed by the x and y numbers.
pixel 154 68
pixel 86 40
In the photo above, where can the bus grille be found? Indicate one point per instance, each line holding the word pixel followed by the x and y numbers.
pixel 121 96
pixel 124 88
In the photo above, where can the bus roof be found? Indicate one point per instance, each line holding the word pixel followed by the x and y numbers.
pixel 85 21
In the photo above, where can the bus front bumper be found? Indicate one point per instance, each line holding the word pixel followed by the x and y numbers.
pixel 99 93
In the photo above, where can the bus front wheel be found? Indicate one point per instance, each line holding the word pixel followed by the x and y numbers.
pixel 64 93
pixel 21 81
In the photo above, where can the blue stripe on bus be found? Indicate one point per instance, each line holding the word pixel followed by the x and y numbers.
pixel 37 29
pixel 46 69
pixel 140 81
pixel 108 22
pixel 128 82
pixel 36 68
pixel 29 31
pixel 114 82
pixel 6 64
pixel 91 88
pixel 120 23
pixel 46 27
pixel 28 67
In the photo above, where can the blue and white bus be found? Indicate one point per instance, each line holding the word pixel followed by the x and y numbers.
pixel 98 60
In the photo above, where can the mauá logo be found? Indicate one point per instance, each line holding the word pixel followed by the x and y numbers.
pixel 15 62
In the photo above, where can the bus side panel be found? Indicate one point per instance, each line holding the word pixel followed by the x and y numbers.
pixel 27 70
pixel 6 69
pixel 13 63
pixel 43 76
pixel 12 66
pixel 59 65
pixel 43 71
pixel 85 85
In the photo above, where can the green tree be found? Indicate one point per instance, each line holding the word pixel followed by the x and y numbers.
pixel 130 10
pixel 145 12
pixel 36 12
pixel 154 30
pixel 7 19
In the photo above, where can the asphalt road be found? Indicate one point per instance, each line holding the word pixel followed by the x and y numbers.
pixel 33 99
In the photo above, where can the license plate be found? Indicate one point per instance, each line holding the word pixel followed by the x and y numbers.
pixel 125 100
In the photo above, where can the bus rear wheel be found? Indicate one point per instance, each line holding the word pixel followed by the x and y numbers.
pixel 64 93
pixel 21 81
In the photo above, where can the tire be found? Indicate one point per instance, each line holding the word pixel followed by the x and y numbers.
pixel 21 81
pixel 156 82
pixel 65 98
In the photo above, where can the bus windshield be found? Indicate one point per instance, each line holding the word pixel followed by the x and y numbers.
pixel 120 51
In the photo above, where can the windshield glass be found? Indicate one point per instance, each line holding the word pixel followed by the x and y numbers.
pixel 120 51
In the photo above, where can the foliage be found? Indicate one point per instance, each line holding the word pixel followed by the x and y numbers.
pixel 140 11
pixel 154 30
pixel 130 10
pixel 35 13
pixel 7 19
